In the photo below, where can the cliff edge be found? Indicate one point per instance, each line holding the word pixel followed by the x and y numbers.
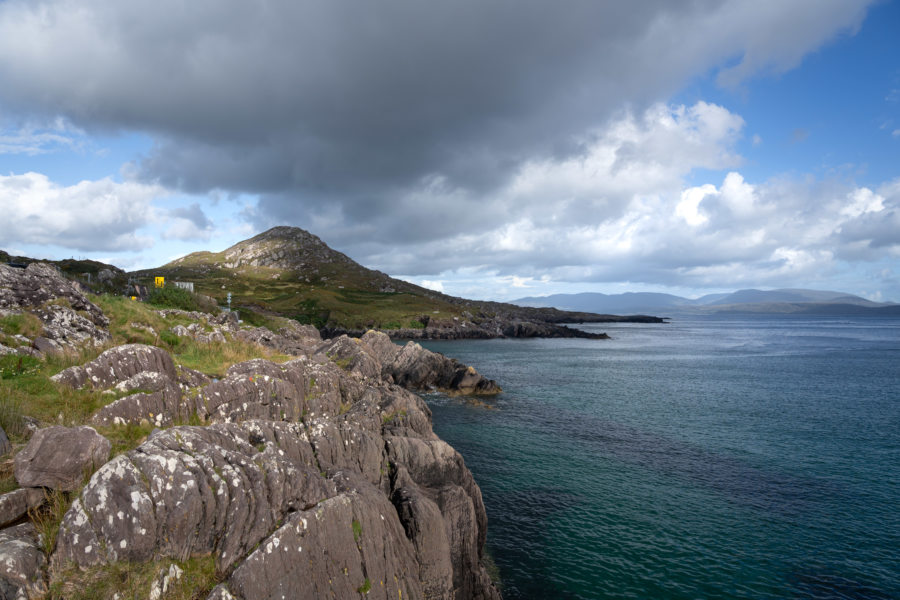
pixel 312 473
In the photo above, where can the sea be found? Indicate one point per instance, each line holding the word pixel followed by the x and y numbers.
pixel 707 457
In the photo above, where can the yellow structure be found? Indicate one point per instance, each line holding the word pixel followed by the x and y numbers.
pixel 160 281
pixel 134 297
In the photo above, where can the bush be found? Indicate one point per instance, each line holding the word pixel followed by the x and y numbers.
pixel 173 297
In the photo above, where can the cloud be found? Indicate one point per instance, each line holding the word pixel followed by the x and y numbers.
pixel 90 215
pixel 527 141
pixel 344 106
pixel 594 201
pixel 437 286
pixel 32 139
pixel 778 37
pixel 873 223
pixel 188 223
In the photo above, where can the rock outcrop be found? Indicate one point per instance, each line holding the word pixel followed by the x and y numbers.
pixel 314 478
pixel 414 367
pixel 15 504
pixel 68 318
pixel 118 365
pixel 318 477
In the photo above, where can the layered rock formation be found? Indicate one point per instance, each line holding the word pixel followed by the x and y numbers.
pixel 68 319
pixel 318 477
pixel 314 478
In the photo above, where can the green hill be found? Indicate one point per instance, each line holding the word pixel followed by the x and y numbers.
pixel 289 272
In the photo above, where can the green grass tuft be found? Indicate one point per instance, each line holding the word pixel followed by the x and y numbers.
pixel 357 529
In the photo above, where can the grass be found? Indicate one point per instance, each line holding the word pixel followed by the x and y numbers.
pixel 31 392
pixel 214 358
pixel 389 418
pixel 11 416
pixel 340 295
pixel 357 529
pixel 125 437
pixel 21 324
pixel 365 587
pixel 124 314
pixel 8 481
pixel 127 580
pixel 48 517
pixel 16 365
pixel 26 388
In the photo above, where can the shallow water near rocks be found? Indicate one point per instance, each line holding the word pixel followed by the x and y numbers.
pixel 705 458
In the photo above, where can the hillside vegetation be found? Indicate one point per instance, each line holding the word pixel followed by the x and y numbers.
pixel 289 272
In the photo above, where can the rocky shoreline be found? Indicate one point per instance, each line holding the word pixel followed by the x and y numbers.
pixel 316 477
pixel 502 326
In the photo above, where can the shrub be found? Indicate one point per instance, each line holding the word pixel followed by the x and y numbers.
pixel 173 297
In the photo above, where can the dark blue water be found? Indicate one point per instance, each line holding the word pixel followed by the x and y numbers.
pixel 705 458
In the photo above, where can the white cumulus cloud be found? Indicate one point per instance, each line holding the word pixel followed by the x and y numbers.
pixel 90 215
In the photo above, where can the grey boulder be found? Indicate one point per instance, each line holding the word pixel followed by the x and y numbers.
pixel 60 457
pixel 21 563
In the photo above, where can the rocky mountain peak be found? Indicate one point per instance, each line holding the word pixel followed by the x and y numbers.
pixel 284 248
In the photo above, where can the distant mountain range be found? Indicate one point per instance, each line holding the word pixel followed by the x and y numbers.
pixel 781 301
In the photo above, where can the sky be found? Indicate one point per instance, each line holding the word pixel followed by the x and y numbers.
pixel 492 150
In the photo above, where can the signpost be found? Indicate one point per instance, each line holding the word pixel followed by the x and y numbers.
pixel 160 282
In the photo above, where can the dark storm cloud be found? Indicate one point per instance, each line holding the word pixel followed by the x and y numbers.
pixel 526 137
pixel 355 104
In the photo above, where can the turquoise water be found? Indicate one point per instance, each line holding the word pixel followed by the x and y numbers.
pixel 704 458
